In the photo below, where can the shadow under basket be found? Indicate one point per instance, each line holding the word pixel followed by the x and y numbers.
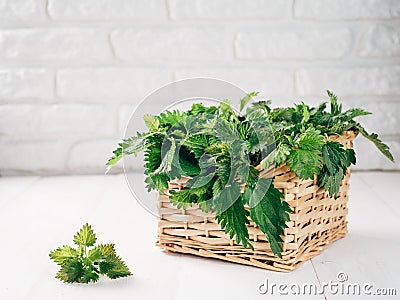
pixel 317 221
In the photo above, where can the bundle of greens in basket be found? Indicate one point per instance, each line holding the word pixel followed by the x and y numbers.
pixel 222 152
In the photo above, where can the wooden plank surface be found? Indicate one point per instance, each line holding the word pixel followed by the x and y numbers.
pixel 366 255
pixel 40 214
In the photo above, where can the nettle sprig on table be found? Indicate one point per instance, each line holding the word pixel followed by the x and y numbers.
pixel 85 263
pixel 222 152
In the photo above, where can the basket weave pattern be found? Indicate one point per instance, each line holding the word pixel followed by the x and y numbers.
pixel 317 221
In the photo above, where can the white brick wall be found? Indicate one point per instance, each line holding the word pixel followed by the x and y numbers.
pixel 57 45
pixel 109 84
pixel 22 84
pixel 293 43
pixel 15 10
pixel 181 44
pixel 107 9
pixel 355 81
pixel 72 71
pixel 380 41
pixel 226 9
pixel 346 9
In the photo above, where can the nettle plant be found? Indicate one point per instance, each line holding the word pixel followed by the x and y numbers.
pixel 222 153
pixel 85 263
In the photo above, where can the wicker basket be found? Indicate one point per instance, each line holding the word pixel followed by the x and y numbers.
pixel 317 221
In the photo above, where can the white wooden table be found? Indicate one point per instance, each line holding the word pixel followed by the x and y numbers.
pixel 38 214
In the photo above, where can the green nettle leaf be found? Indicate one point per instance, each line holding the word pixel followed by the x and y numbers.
pixel 306 159
pixel 201 180
pixel 85 236
pixel 331 182
pixel 63 254
pixel 228 195
pixel 305 163
pixel 152 155
pixel 218 148
pixel 271 214
pixel 218 186
pixel 84 265
pixel 90 275
pixel 255 194
pixel 166 163
pixel 253 176
pixel 262 104
pixel 187 165
pixel 226 131
pixel 197 109
pixel 133 145
pixel 182 198
pixel 196 144
pixel 336 161
pixel 373 137
pixel 116 267
pixel 106 249
pixel 277 156
pixel 354 113
pixel 170 118
pixel 226 111
pixel 334 156
pixel 246 99
pixel 208 166
pixel 95 254
pixel 335 107
pixel 105 266
pixel 281 154
pixel 235 220
pixel 306 113
pixel 151 122
pixel 71 271
pixel 157 181
pixel 311 139
pixel 268 160
pixel 350 157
